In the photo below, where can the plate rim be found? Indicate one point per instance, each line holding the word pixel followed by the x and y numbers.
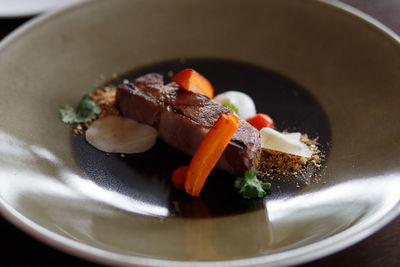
pixel 299 255
pixel 28 13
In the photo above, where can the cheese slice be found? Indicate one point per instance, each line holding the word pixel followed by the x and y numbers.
pixel 287 143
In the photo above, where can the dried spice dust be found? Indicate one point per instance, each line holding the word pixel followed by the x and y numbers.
pixel 105 99
pixel 284 167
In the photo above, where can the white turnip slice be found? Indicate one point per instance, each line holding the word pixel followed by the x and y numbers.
pixel 116 134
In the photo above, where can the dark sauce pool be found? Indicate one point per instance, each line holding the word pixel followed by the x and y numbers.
pixel 146 177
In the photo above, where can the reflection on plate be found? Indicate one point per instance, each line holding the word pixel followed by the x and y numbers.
pixel 25 8
pixel 47 193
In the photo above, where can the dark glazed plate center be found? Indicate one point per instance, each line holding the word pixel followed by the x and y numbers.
pixel 146 177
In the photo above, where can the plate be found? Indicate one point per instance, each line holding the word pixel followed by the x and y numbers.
pixel 341 61
pixel 25 8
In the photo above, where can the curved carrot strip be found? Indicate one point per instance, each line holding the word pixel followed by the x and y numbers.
pixel 179 176
pixel 194 82
pixel 209 152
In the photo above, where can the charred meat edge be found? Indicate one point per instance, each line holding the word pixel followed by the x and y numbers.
pixel 183 118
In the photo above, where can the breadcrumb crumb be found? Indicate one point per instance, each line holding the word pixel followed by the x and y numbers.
pixel 274 164
pixel 105 99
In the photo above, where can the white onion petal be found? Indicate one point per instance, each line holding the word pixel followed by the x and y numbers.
pixel 116 134
pixel 240 100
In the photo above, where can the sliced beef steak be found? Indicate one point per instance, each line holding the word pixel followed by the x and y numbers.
pixel 183 118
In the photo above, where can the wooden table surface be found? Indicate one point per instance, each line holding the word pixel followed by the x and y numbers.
pixel 380 249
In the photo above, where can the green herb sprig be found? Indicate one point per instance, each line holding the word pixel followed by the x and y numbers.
pixel 86 111
pixel 250 187
pixel 233 107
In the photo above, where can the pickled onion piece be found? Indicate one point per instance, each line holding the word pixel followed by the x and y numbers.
pixel 116 134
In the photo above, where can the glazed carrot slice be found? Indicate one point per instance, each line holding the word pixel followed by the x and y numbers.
pixel 209 151
pixel 260 121
pixel 194 82
pixel 179 176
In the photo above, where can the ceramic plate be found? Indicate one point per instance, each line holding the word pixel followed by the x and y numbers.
pixel 318 67
pixel 25 8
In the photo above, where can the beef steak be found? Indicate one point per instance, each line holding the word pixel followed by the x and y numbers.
pixel 183 118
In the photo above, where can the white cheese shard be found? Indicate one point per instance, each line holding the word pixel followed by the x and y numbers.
pixel 287 143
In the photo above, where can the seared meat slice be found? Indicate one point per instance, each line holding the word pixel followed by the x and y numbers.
pixel 183 118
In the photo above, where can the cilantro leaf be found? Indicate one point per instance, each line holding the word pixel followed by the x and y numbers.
pixel 67 114
pixel 86 106
pixel 233 107
pixel 250 186
pixel 86 111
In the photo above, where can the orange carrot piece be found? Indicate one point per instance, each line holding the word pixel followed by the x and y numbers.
pixel 209 151
pixel 261 120
pixel 194 82
pixel 179 176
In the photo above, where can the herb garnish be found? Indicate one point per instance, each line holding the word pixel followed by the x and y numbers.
pixel 86 111
pixel 233 107
pixel 250 186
